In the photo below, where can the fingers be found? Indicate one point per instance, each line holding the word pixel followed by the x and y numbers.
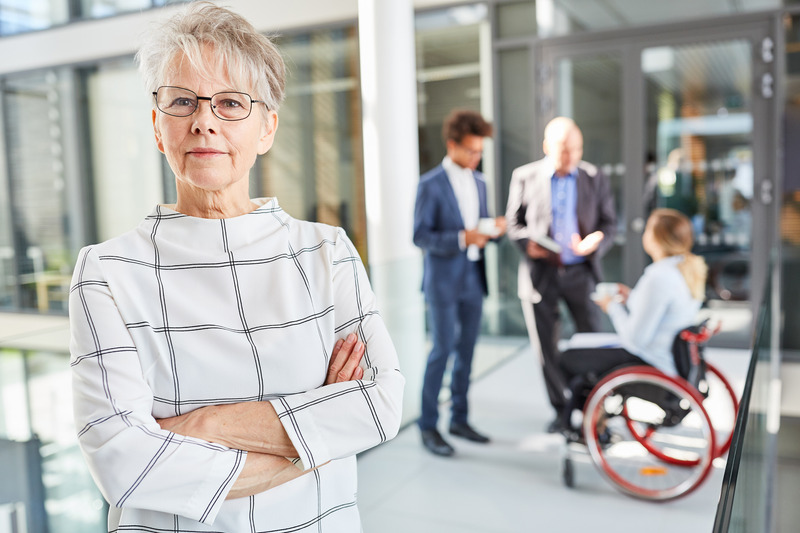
pixel 472 236
pixel 345 359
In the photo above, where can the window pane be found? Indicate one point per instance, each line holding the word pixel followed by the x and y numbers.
pixel 36 159
pixel 125 162
pixel 563 17
pixel 105 8
pixel 314 167
pixel 17 16
pixel 448 73
pixel 516 19
pixel 43 471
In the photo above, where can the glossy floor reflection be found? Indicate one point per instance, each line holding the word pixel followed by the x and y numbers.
pixel 514 484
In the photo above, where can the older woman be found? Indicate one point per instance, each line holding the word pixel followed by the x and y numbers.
pixel 228 360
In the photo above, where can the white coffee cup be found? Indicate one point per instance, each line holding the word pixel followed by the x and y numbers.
pixel 488 227
pixel 605 290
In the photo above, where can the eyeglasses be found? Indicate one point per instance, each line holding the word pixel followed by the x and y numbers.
pixel 470 152
pixel 180 102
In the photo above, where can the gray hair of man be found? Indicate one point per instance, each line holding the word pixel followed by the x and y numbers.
pixel 249 57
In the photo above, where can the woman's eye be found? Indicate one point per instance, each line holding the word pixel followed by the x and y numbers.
pixel 229 104
pixel 183 102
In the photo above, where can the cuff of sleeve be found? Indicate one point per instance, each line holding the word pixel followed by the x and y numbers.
pixel 462 240
pixel 207 500
pixel 302 429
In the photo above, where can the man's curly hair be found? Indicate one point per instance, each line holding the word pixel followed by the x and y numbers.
pixel 462 122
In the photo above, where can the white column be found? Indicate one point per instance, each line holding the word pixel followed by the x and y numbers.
pixel 391 174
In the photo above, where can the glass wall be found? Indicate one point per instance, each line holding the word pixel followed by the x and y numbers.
pixel 790 197
pixel 126 166
pixel 20 16
pixel 448 73
pixel 564 17
pixel 35 241
pixel 315 165
pixel 45 485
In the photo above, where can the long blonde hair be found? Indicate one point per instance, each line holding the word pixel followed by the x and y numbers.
pixel 672 232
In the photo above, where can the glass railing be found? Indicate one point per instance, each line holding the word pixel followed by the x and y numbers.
pixel 747 497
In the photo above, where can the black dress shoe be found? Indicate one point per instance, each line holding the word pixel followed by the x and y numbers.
pixel 465 431
pixel 435 444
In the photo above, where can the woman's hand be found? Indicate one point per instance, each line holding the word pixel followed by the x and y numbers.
pixel 621 296
pixel 345 360
pixel 623 291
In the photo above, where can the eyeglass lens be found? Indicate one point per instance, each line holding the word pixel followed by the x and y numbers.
pixel 180 102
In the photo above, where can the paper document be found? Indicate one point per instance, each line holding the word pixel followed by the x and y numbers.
pixel 546 242
pixel 594 340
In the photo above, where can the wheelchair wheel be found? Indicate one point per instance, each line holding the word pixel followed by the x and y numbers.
pixel 723 405
pixel 648 433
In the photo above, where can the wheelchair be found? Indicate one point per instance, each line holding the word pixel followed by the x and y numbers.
pixel 648 433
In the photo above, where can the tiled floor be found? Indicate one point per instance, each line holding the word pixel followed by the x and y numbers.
pixel 514 485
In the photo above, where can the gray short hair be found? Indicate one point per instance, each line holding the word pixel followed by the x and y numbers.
pixel 248 56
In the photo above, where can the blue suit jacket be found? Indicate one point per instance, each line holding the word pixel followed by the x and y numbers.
pixel 437 221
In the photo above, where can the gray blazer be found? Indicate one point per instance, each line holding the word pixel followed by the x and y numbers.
pixel 529 215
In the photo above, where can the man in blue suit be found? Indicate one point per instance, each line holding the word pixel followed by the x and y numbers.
pixel 452 226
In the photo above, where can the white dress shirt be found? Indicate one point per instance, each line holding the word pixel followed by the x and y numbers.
pixel 185 312
pixel 463 182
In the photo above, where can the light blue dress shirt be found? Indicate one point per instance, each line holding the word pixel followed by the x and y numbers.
pixel 564 199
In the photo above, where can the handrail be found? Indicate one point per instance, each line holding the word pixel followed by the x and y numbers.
pixel 727 519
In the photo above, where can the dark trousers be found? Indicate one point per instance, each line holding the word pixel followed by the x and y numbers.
pixel 454 328
pixel 573 284
pixel 582 368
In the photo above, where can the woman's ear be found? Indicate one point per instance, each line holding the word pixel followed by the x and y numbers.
pixel 157 133
pixel 268 129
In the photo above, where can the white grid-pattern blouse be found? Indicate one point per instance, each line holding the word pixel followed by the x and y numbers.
pixel 185 312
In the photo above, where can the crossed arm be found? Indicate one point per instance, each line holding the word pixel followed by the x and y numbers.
pixel 255 428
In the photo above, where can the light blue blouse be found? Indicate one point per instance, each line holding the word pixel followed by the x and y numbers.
pixel 658 307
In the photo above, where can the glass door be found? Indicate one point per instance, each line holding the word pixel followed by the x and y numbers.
pixel 699 141
pixel 681 123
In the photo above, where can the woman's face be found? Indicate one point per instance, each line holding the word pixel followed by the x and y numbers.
pixel 204 151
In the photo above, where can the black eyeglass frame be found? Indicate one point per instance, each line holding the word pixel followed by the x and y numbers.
pixel 210 99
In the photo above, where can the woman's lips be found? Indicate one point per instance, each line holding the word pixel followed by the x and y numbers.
pixel 205 152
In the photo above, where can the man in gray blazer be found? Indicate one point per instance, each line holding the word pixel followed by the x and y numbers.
pixel 561 215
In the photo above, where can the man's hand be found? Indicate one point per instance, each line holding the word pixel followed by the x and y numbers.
pixel 536 251
pixel 472 236
pixel 588 245
pixel 345 358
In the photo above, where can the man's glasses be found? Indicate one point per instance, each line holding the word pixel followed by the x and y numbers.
pixel 470 152
pixel 180 102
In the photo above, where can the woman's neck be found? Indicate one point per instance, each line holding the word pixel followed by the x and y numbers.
pixel 213 204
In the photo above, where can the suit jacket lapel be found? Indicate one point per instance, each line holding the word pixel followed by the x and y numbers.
pixel 584 200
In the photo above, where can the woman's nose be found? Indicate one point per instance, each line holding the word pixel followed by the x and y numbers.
pixel 204 117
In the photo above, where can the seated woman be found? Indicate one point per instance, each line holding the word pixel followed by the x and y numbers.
pixel 647 318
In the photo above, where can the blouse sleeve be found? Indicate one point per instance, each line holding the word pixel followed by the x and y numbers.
pixel 647 305
pixel 133 461
pixel 342 419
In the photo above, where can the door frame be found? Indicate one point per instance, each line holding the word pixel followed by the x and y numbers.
pixel 628 45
